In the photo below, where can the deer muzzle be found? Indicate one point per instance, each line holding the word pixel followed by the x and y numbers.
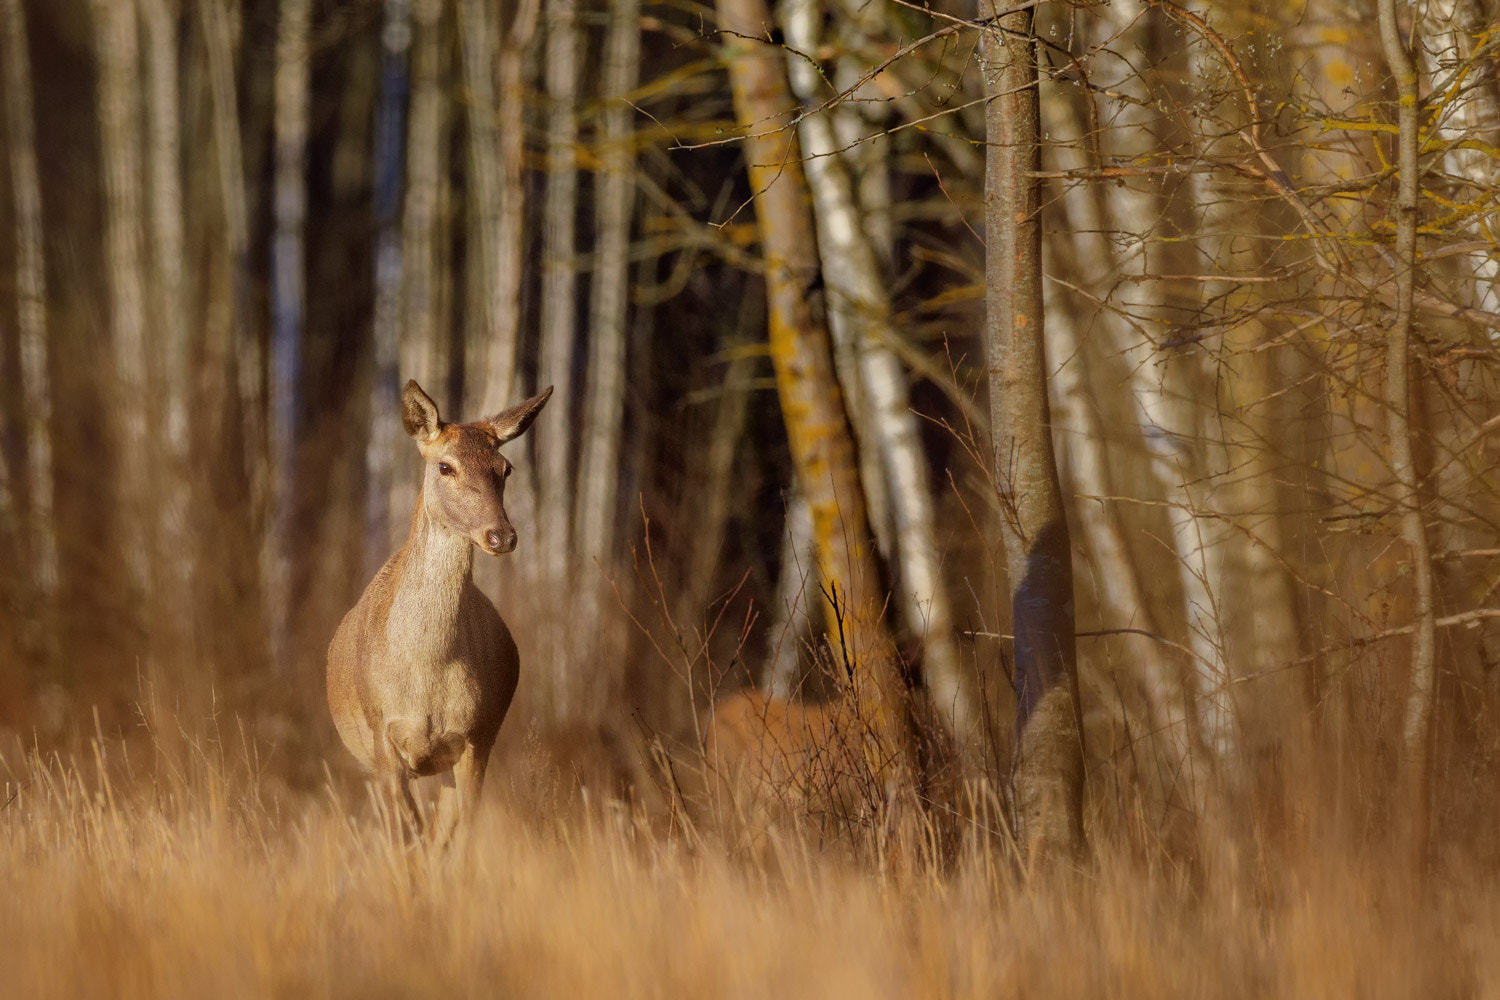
pixel 500 540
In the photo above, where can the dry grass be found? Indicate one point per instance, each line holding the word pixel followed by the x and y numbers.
pixel 189 882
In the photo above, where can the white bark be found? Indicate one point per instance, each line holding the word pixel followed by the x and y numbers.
pixel 860 307
pixel 553 440
pixel 218 39
pixel 31 305
pixel 387 526
pixel 120 129
pixel 1166 386
pixel 174 359
pixel 291 85
pixel 598 485
pixel 424 334
pixel 490 347
pixel 796 586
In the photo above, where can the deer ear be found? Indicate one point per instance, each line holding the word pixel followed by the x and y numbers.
pixel 513 422
pixel 419 414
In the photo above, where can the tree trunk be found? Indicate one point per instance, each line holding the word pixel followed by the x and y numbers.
pixel 174 356
pixel 31 309
pixel 1417 733
pixel 1122 593
pixel 1049 742
pixel 1166 386
pixel 287 309
pixel 244 341
pixel 795 580
pixel 384 527
pixel 120 128
pixel 858 301
pixel 425 338
pixel 817 426
pixel 491 342
pixel 559 279
pixel 598 494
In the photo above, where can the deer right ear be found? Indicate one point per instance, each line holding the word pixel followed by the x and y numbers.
pixel 513 422
pixel 419 414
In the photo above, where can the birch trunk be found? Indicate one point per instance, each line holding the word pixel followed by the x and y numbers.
pixel 1417 731
pixel 491 341
pixel 1049 741
pixel 817 426
pixel 598 485
pixel 120 128
pixel 292 78
pixel 1122 593
pixel 795 582
pixel 384 527
pixel 174 355
pixel 31 309
pixel 1166 385
pixel 424 334
pixel 859 303
pixel 553 441
pixel 244 342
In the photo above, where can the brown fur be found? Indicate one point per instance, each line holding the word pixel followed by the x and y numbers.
pixel 422 670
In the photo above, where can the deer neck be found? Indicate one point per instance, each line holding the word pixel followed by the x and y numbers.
pixel 435 567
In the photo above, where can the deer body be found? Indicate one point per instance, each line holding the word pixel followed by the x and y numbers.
pixel 422 670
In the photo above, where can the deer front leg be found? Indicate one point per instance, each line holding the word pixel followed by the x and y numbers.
pixel 400 785
pixel 457 804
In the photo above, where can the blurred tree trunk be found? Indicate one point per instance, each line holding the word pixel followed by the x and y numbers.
pixel 817 426
pixel 174 356
pixel 516 73
pixel 859 303
pixel 1081 250
pixel 424 334
pixel 796 583
pixel 384 526
pixel 496 198
pixel 120 129
pixel 1168 383
pixel 490 343
pixel 31 319
pixel 292 76
pixel 599 468
pixel 1417 733
pixel 553 440
pixel 1049 740
pixel 244 341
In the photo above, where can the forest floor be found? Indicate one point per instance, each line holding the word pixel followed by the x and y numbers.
pixel 189 883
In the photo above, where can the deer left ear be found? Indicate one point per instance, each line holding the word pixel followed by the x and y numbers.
pixel 512 423
pixel 419 414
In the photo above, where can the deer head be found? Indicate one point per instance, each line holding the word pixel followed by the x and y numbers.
pixel 463 485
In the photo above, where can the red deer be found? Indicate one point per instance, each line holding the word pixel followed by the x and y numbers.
pixel 422 669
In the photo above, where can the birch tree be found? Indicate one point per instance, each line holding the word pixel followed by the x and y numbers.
pixel 31 308
pixel 614 209
pixel 1049 740
pixel 120 129
pixel 559 278
pixel 288 277
pixel 858 303
pixel 384 526
pixel 425 339
pixel 173 355
pixel 812 407
pixel 1416 734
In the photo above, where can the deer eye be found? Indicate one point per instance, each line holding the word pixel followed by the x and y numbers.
pixel 445 469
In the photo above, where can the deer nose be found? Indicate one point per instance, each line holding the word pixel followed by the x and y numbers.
pixel 499 540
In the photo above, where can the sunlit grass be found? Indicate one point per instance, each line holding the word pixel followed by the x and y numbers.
pixel 185 881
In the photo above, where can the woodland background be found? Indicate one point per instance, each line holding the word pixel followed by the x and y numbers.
pixel 232 229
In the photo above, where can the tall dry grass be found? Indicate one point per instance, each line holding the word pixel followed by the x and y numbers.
pixel 184 870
